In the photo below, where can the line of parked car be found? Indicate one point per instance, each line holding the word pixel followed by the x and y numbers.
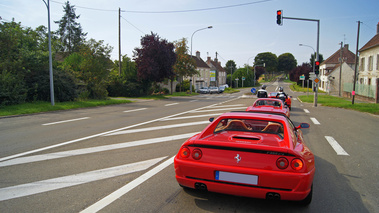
pixel 212 89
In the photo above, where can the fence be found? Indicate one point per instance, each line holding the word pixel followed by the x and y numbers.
pixel 361 89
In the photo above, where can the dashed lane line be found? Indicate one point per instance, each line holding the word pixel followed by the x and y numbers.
pixel 315 121
pixel 336 146
pixel 65 121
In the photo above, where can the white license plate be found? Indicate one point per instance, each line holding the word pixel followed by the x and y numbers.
pixel 237 178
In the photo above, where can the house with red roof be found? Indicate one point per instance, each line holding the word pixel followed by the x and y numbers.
pixel 335 66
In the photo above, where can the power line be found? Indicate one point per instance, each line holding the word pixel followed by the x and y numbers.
pixel 88 8
pixel 133 26
pixel 202 9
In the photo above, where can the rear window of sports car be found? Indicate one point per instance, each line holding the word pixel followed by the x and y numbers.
pixel 250 125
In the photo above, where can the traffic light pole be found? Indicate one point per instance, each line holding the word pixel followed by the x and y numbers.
pixel 318 45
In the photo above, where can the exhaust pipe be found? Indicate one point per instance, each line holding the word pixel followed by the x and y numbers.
pixel 201 186
pixel 272 196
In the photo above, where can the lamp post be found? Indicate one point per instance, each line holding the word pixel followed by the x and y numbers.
pixel 209 27
pixel 314 61
pixel 50 57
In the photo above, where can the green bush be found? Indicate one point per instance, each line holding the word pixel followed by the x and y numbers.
pixel 12 89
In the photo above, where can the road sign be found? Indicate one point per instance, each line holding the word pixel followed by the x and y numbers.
pixel 253 90
pixel 316 80
pixel 302 78
pixel 243 78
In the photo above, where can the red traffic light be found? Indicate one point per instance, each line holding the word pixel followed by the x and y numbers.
pixel 317 63
pixel 279 17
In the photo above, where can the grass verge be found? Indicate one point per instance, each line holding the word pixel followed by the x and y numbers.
pixel 332 101
pixel 40 106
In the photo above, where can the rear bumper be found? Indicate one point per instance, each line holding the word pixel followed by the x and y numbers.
pixel 290 186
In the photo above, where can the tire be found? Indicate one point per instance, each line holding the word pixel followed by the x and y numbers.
pixel 308 199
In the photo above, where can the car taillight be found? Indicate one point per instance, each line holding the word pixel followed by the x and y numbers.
pixel 185 152
pixel 297 164
pixel 282 163
pixel 197 154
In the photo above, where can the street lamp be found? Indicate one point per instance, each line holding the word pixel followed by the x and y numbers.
pixel 209 27
pixel 50 57
pixel 314 61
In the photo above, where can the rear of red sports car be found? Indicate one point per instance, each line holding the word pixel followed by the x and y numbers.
pixel 247 162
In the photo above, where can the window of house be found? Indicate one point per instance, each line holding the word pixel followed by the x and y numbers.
pixel 369 81
pixel 362 65
pixel 370 63
pixel 361 80
pixel 377 62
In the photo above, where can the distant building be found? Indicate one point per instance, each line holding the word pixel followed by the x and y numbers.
pixel 220 73
pixel 203 78
pixel 368 79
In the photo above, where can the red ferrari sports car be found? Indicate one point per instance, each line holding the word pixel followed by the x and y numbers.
pixel 269 105
pixel 288 101
pixel 250 154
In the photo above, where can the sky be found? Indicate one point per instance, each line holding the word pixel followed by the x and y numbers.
pixel 241 28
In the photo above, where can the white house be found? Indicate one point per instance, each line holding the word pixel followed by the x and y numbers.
pixel 368 79
pixel 332 64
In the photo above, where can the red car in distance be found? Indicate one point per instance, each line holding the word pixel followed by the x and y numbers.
pixel 269 105
pixel 249 154
pixel 288 101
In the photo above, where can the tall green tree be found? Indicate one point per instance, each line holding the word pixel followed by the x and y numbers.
pixel 229 66
pixel 70 31
pixel 286 62
pixel 269 59
pixel 155 59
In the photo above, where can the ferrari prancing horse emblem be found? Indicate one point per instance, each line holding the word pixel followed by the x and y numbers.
pixel 238 158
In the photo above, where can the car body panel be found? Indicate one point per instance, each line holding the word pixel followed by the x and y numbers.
pixel 247 159
pixel 213 90
pixel 269 105
pixel 204 90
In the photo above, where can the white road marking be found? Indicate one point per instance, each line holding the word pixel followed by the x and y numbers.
pixel 190 117
pixel 96 135
pixel 65 121
pixel 125 189
pixel 306 111
pixel 50 156
pixel 336 146
pixel 171 104
pixel 72 180
pixel 315 121
pixel 194 101
pixel 134 110
pixel 158 128
pixel 222 109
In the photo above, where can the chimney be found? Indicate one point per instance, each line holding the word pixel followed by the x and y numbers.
pixel 208 60
pixel 377 28
pixel 346 46
pixel 198 55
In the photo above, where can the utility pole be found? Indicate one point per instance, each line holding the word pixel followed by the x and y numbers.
pixel 119 41
pixel 339 88
pixel 356 63
pixel 216 70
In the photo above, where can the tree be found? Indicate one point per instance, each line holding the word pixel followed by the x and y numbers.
pixel 269 59
pixel 70 31
pixel 229 66
pixel 91 67
pixel 185 65
pixel 155 59
pixel 304 69
pixel 286 62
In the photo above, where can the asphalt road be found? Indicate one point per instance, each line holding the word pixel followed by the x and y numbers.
pixel 119 158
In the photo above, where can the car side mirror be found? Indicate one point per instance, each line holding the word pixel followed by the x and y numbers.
pixel 303 126
pixel 211 119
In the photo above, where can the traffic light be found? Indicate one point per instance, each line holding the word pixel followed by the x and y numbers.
pixel 279 17
pixel 317 67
